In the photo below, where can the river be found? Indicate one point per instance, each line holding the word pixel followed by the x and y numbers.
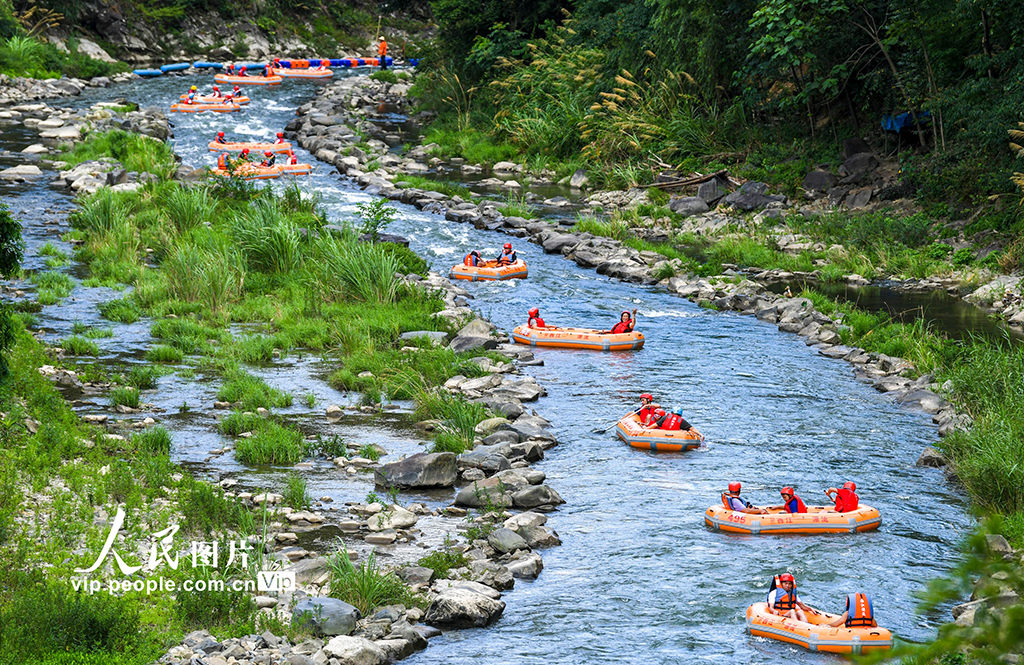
pixel 639 578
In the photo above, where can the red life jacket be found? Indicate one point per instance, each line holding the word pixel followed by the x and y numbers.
pixel 784 600
pixel 846 501
pixel 535 322
pixel 672 421
pixel 800 507
pixel 622 327
pixel 859 612
pixel 647 412
pixel 279 141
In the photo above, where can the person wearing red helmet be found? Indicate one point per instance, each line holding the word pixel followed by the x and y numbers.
pixel 220 138
pixel 535 321
pixel 782 599
pixel 216 92
pixel 236 91
pixel 658 418
pixel 791 502
pixel 243 157
pixel 280 138
pixel 507 256
pixel 625 324
pixel 268 160
pixel 734 502
pixel 647 407
pixel 241 71
pixel 292 159
pixel 845 497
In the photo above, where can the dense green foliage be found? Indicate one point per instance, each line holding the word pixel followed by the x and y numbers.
pixel 683 80
pixel 11 253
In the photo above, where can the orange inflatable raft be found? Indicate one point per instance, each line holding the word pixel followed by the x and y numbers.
pixel 297 169
pixel 252 172
pixel 577 338
pixel 253 147
pixel 248 80
pixel 210 99
pixel 635 434
pixel 303 73
pixel 182 107
pixel 865 518
pixel 815 636
pixel 489 271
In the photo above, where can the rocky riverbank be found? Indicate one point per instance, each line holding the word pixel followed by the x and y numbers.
pixel 19 89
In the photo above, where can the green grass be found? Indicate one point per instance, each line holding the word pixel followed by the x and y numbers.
pixel 295 492
pixel 458 417
pixel 237 422
pixel 365 586
pixel 516 206
pixel 473 145
pixel 163 353
pixel 446 187
pixel 79 346
pixel 121 396
pixel 122 310
pixel 52 287
pixel 443 561
pixel 385 75
pixel 251 391
pixel 156 441
pixel 272 444
pixel 142 376
pixel 370 452
pixel 135 151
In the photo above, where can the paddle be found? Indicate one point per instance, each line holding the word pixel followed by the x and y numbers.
pixel 602 431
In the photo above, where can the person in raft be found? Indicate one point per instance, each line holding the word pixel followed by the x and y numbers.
pixel 237 92
pixel 782 599
pixel 243 157
pixel 625 324
pixel 647 407
pixel 382 52
pixel 241 71
pixel 845 497
pixel 280 138
pixel 734 502
pixel 292 158
pixel 791 502
pixel 216 92
pixel 674 421
pixel 472 259
pixel 658 418
pixel 223 162
pixel 535 321
pixel 507 256
pixel 859 613
pixel 268 160
pixel 220 138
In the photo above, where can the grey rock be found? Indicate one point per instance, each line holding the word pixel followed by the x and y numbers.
pixel 527 567
pixel 462 608
pixel 712 191
pixel 419 470
pixel 327 616
pixel 859 198
pixel 819 181
pixel 854 146
pixel 536 495
pixel 506 540
pixel 687 206
pixel 502 436
pixel 539 536
pixel 859 164
pixel 579 179
pixel 436 337
pixel 355 651
pixel 931 457
pixel 555 243
pixel 464 343
pixel 481 492
pixel 416 575
pixel 998 545
pixel 308 570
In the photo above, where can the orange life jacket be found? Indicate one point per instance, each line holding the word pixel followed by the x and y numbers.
pixel 382 49
pixel 472 259
pixel 784 600
pixel 859 612
pixel 222 161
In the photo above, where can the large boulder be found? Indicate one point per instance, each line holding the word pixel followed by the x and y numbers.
pixel 355 651
pixel 506 540
pixel 931 457
pixel 555 243
pixel 712 191
pixel 309 570
pixel 859 164
pixel 419 470
pixel 819 181
pixel 538 536
pixel 94 51
pixel 327 616
pixel 579 179
pixel 462 608
pixel 463 343
pixel 687 206
pixel 481 492
pixel 536 495
pixel 527 566
pixel 394 517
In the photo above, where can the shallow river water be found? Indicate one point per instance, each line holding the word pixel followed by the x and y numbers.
pixel 639 578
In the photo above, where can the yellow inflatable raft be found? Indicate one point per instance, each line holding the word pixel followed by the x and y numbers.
pixel 253 147
pixel 307 73
pixel 210 99
pixel 577 338
pixel 248 80
pixel 182 107
pixel 635 434
pixel 814 635
pixel 489 271
pixel 865 518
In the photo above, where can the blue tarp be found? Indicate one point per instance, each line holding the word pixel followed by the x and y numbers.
pixel 901 121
